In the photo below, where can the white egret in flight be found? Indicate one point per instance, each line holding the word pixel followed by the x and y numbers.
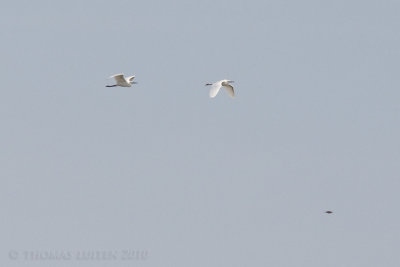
pixel 122 81
pixel 217 85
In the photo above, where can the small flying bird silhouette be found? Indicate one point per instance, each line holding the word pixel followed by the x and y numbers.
pixel 122 81
pixel 328 211
pixel 217 85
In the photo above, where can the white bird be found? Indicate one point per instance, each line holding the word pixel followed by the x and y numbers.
pixel 122 81
pixel 217 85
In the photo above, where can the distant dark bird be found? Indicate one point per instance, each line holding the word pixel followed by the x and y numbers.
pixel 328 211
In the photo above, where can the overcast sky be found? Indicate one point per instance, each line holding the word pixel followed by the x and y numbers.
pixel 193 181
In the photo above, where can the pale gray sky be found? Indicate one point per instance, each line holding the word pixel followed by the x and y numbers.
pixel 191 180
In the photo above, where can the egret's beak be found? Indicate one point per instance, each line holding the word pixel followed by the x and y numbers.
pixel 231 81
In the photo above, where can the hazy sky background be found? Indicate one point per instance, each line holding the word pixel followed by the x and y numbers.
pixel 196 181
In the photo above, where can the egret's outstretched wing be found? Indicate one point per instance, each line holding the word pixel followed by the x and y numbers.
pixel 119 78
pixel 130 78
pixel 230 90
pixel 215 89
